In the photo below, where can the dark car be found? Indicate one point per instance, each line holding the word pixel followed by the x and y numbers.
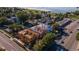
pixel 71 32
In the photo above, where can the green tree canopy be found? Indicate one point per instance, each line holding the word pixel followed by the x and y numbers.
pixel 3 21
pixel 45 41
pixel 23 16
pixel 59 16
pixel 15 27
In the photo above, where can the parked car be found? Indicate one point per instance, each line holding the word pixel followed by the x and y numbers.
pixel 71 32
pixel 78 29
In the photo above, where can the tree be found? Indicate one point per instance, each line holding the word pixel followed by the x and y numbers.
pixel 55 25
pixel 23 16
pixel 33 14
pixel 44 42
pixel 15 27
pixel 76 12
pixel 77 36
pixel 59 17
pixel 8 11
pixel 3 21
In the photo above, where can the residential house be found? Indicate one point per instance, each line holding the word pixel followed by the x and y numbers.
pixel 28 36
pixel 65 22
pixel 42 29
pixel 13 19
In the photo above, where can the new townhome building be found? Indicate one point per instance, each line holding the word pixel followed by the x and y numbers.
pixel 34 33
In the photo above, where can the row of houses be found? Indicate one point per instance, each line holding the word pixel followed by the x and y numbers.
pixel 38 31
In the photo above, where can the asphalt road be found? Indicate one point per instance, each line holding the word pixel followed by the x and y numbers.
pixel 70 41
pixel 8 44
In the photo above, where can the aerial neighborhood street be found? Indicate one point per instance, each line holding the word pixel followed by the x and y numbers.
pixel 27 29
pixel 70 41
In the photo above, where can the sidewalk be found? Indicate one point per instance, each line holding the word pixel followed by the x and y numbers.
pixel 77 47
pixel 5 33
